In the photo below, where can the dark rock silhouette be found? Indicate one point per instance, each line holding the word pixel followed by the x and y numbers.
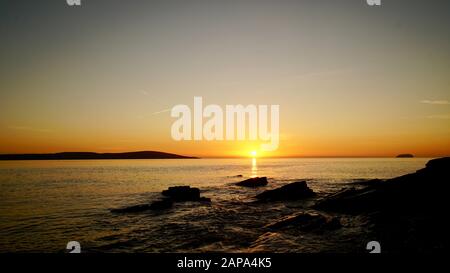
pixel 172 195
pixel 132 209
pixel 406 212
pixel 90 155
pixel 253 182
pixel 292 191
pixel 165 203
pixel 405 156
pixel 367 182
pixel 416 190
pixel 184 193
pixel 307 221
pixel 156 205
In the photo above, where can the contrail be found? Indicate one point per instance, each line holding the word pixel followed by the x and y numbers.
pixel 162 111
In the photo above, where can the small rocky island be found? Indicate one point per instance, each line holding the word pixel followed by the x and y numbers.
pixel 405 156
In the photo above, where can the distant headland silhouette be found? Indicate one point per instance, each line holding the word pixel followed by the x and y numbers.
pixel 92 155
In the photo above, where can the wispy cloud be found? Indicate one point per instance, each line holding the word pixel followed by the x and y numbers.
pixel 436 102
pixel 143 116
pixel 162 111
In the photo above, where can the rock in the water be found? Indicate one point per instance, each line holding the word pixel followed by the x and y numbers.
pixel 173 194
pixel 205 199
pixel 307 221
pixel 131 209
pixel 350 200
pixel 182 193
pixel 253 182
pixel 292 191
pixel 165 203
pixel 156 205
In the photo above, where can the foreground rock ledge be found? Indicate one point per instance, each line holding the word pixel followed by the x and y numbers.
pixel 425 189
pixel 307 221
pixel 407 213
pixel 293 191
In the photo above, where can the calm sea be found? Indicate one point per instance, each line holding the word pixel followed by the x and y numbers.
pixel 45 204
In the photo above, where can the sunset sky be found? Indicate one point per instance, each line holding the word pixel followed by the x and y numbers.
pixel 350 79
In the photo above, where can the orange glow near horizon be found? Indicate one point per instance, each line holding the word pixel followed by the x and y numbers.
pixel 29 142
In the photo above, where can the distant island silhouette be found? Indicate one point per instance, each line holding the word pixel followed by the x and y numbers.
pixel 405 156
pixel 92 155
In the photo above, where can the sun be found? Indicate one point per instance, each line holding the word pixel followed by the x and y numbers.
pixel 254 153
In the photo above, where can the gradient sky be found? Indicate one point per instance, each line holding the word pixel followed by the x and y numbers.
pixel 350 79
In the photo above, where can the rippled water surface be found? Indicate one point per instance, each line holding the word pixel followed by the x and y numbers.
pixel 45 204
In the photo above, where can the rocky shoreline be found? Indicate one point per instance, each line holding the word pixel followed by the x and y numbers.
pixel 405 214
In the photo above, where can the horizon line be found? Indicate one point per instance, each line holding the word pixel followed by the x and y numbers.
pixel 237 157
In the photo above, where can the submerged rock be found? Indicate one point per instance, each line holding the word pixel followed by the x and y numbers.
pixel 156 205
pixel 308 221
pixel 165 203
pixel 270 242
pixel 131 209
pixel 253 182
pixel 172 195
pixel 292 191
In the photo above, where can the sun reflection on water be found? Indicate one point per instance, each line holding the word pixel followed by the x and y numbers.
pixel 254 168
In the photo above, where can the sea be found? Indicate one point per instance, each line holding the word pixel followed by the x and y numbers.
pixel 46 204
